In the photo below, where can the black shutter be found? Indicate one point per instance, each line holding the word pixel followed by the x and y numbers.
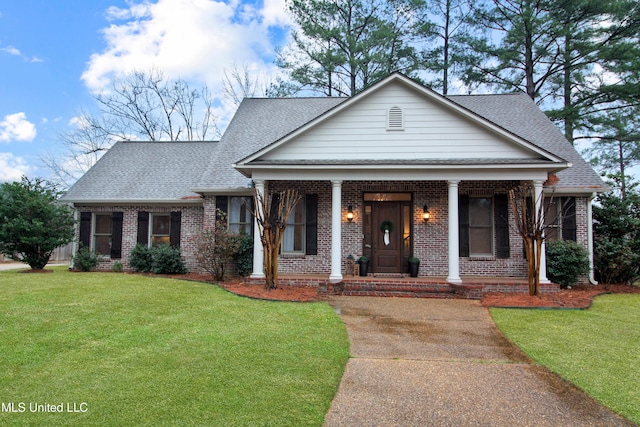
pixel 143 228
pixel 222 205
pixel 273 216
pixel 116 235
pixel 463 222
pixel 85 229
pixel 311 208
pixel 569 223
pixel 174 231
pixel 501 214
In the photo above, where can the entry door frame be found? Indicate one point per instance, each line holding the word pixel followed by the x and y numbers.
pixel 402 230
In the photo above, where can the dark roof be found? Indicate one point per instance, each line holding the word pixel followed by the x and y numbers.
pixel 518 114
pixel 145 171
pixel 166 171
pixel 258 123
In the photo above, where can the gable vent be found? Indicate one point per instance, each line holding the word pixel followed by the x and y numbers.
pixel 395 119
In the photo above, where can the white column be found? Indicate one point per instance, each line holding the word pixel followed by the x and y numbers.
pixel 454 242
pixel 539 209
pixel 336 231
pixel 258 252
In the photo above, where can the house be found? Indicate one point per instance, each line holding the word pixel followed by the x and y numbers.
pixel 371 169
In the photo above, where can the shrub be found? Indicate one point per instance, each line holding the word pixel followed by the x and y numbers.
pixel 167 260
pixel 117 267
pixel 85 259
pixel 141 259
pixel 218 247
pixel 244 256
pixel 566 261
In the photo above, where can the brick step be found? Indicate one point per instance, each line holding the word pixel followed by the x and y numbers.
pixel 399 294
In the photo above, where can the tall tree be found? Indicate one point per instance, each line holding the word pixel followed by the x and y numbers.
pixel 447 31
pixel 341 47
pixel 520 49
pixel 32 222
pixel 142 106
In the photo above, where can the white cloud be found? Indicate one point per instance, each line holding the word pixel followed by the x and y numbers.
pixel 16 127
pixel 12 168
pixel 10 50
pixel 190 39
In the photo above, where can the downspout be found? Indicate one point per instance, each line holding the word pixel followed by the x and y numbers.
pixel 592 279
pixel 74 244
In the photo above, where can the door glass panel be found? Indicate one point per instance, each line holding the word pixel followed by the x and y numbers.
pixel 387 197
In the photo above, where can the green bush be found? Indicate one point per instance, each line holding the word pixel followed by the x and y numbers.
pixel 141 259
pixel 85 259
pixel 163 259
pixel 566 261
pixel 117 267
pixel 167 260
pixel 244 257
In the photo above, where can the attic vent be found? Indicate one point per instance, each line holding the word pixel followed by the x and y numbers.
pixel 395 119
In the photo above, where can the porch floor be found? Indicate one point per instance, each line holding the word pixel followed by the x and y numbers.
pixel 397 285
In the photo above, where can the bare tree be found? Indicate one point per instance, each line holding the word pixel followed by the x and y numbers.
pixel 272 212
pixel 145 106
pixel 530 225
pixel 241 82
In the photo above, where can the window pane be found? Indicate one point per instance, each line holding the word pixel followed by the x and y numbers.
pixel 159 240
pixel 480 211
pixel 480 241
pixel 161 224
pixel 103 244
pixel 240 218
pixel 293 238
pixel 103 224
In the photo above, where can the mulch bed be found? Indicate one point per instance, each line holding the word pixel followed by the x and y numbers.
pixel 579 296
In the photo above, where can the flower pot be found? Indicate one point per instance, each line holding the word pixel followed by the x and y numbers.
pixel 364 267
pixel 414 267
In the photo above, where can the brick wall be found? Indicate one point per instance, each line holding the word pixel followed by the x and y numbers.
pixel 430 239
pixel 191 224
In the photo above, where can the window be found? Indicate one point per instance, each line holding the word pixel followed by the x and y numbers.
pixel 293 240
pixel 480 226
pixel 484 226
pixel 102 234
pixel 160 229
pixel 560 218
pixel 157 229
pixel 240 219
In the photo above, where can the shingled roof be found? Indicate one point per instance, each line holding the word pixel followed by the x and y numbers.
pixel 144 172
pixel 173 171
pixel 518 114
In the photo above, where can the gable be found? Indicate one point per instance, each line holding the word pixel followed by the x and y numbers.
pixel 396 123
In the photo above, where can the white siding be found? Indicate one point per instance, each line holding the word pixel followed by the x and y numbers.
pixel 430 132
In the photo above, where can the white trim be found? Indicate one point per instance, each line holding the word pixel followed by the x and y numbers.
pixel 488 174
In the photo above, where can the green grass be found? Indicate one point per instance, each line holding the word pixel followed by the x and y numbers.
pixel 155 351
pixel 597 349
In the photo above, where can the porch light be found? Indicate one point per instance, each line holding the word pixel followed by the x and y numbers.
pixel 350 213
pixel 425 213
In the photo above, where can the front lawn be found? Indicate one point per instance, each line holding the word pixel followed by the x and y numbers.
pixel 120 349
pixel 597 349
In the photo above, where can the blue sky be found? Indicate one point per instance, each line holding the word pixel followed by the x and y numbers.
pixel 54 54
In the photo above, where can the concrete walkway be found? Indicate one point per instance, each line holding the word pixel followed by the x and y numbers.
pixel 21 265
pixel 430 362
